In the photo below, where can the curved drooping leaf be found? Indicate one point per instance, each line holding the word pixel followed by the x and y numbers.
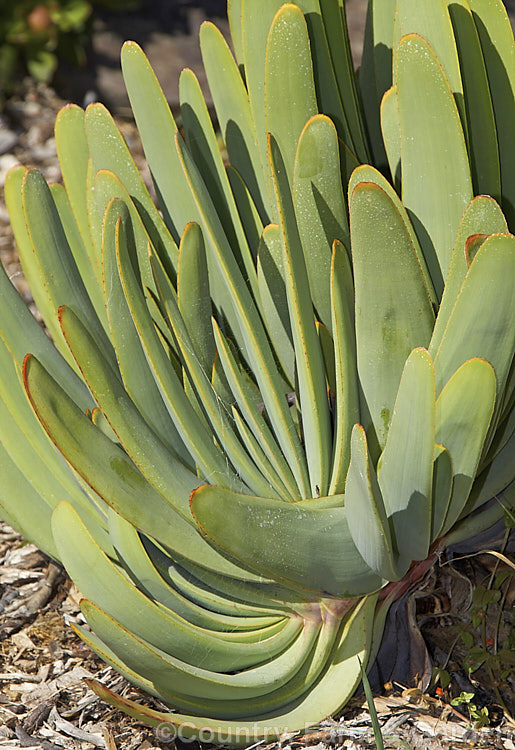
pixel 202 691
pixel 354 638
pixel 333 568
pixel 158 625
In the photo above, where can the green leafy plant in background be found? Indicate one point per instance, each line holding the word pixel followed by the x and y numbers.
pixel 35 34
pixel 487 632
pixel 272 403
pixel 478 715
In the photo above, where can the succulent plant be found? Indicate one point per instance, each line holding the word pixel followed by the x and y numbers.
pixel 290 386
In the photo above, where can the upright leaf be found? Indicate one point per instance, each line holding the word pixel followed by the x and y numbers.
pixel 393 311
pixel 463 412
pixel 308 355
pixel 496 36
pixel 319 206
pixel 366 514
pixel 483 148
pixel 290 98
pixel 405 468
pixel 436 181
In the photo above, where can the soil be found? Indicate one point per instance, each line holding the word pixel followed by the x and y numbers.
pixel 43 699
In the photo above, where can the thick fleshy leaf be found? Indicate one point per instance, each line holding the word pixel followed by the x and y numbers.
pixel 234 11
pixel 495 478
pixel 319 206
pixel 234 114
pixel 303 671
pixel 73 153
pixel 483 147
pixel 337 34
pixel 496 36
pixel 274 300
pixel 192 430
pixel 346 411
pixel 13 199
pixel 430 19
pixel 31 516
pixel 366 513
pixel 481 322
pixel 436 181
pixel 390 130
pixel 158 463
pixel 216 592
pixel 157 128
pixel 334 568
pixel 482 217
pixel 463 412
pixel 54 258
pixel 112 474
pixel 158 625
pixel 36 459
pixel 256 20
pixel 375 74
pixel 442 488
pixel 89 273
pixel 290 99
pixel 353 643
pixel 218 419
pixel 135 372
pixel 205 150
pixel 21 332
pixel 248 212
pixel 193 296
pixel 140 568
pixel 199 688
pixel 366 173
pixel 247 326
pixel 405 468
pixel 393 311
pixel 108 150
pixel 312 392
pixel 249 406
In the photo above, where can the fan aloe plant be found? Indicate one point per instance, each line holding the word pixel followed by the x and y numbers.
pixel 273 400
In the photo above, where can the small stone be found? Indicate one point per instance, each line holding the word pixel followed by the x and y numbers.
pixel 7 162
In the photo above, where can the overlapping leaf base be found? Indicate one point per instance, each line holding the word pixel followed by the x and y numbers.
pixel 269 397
